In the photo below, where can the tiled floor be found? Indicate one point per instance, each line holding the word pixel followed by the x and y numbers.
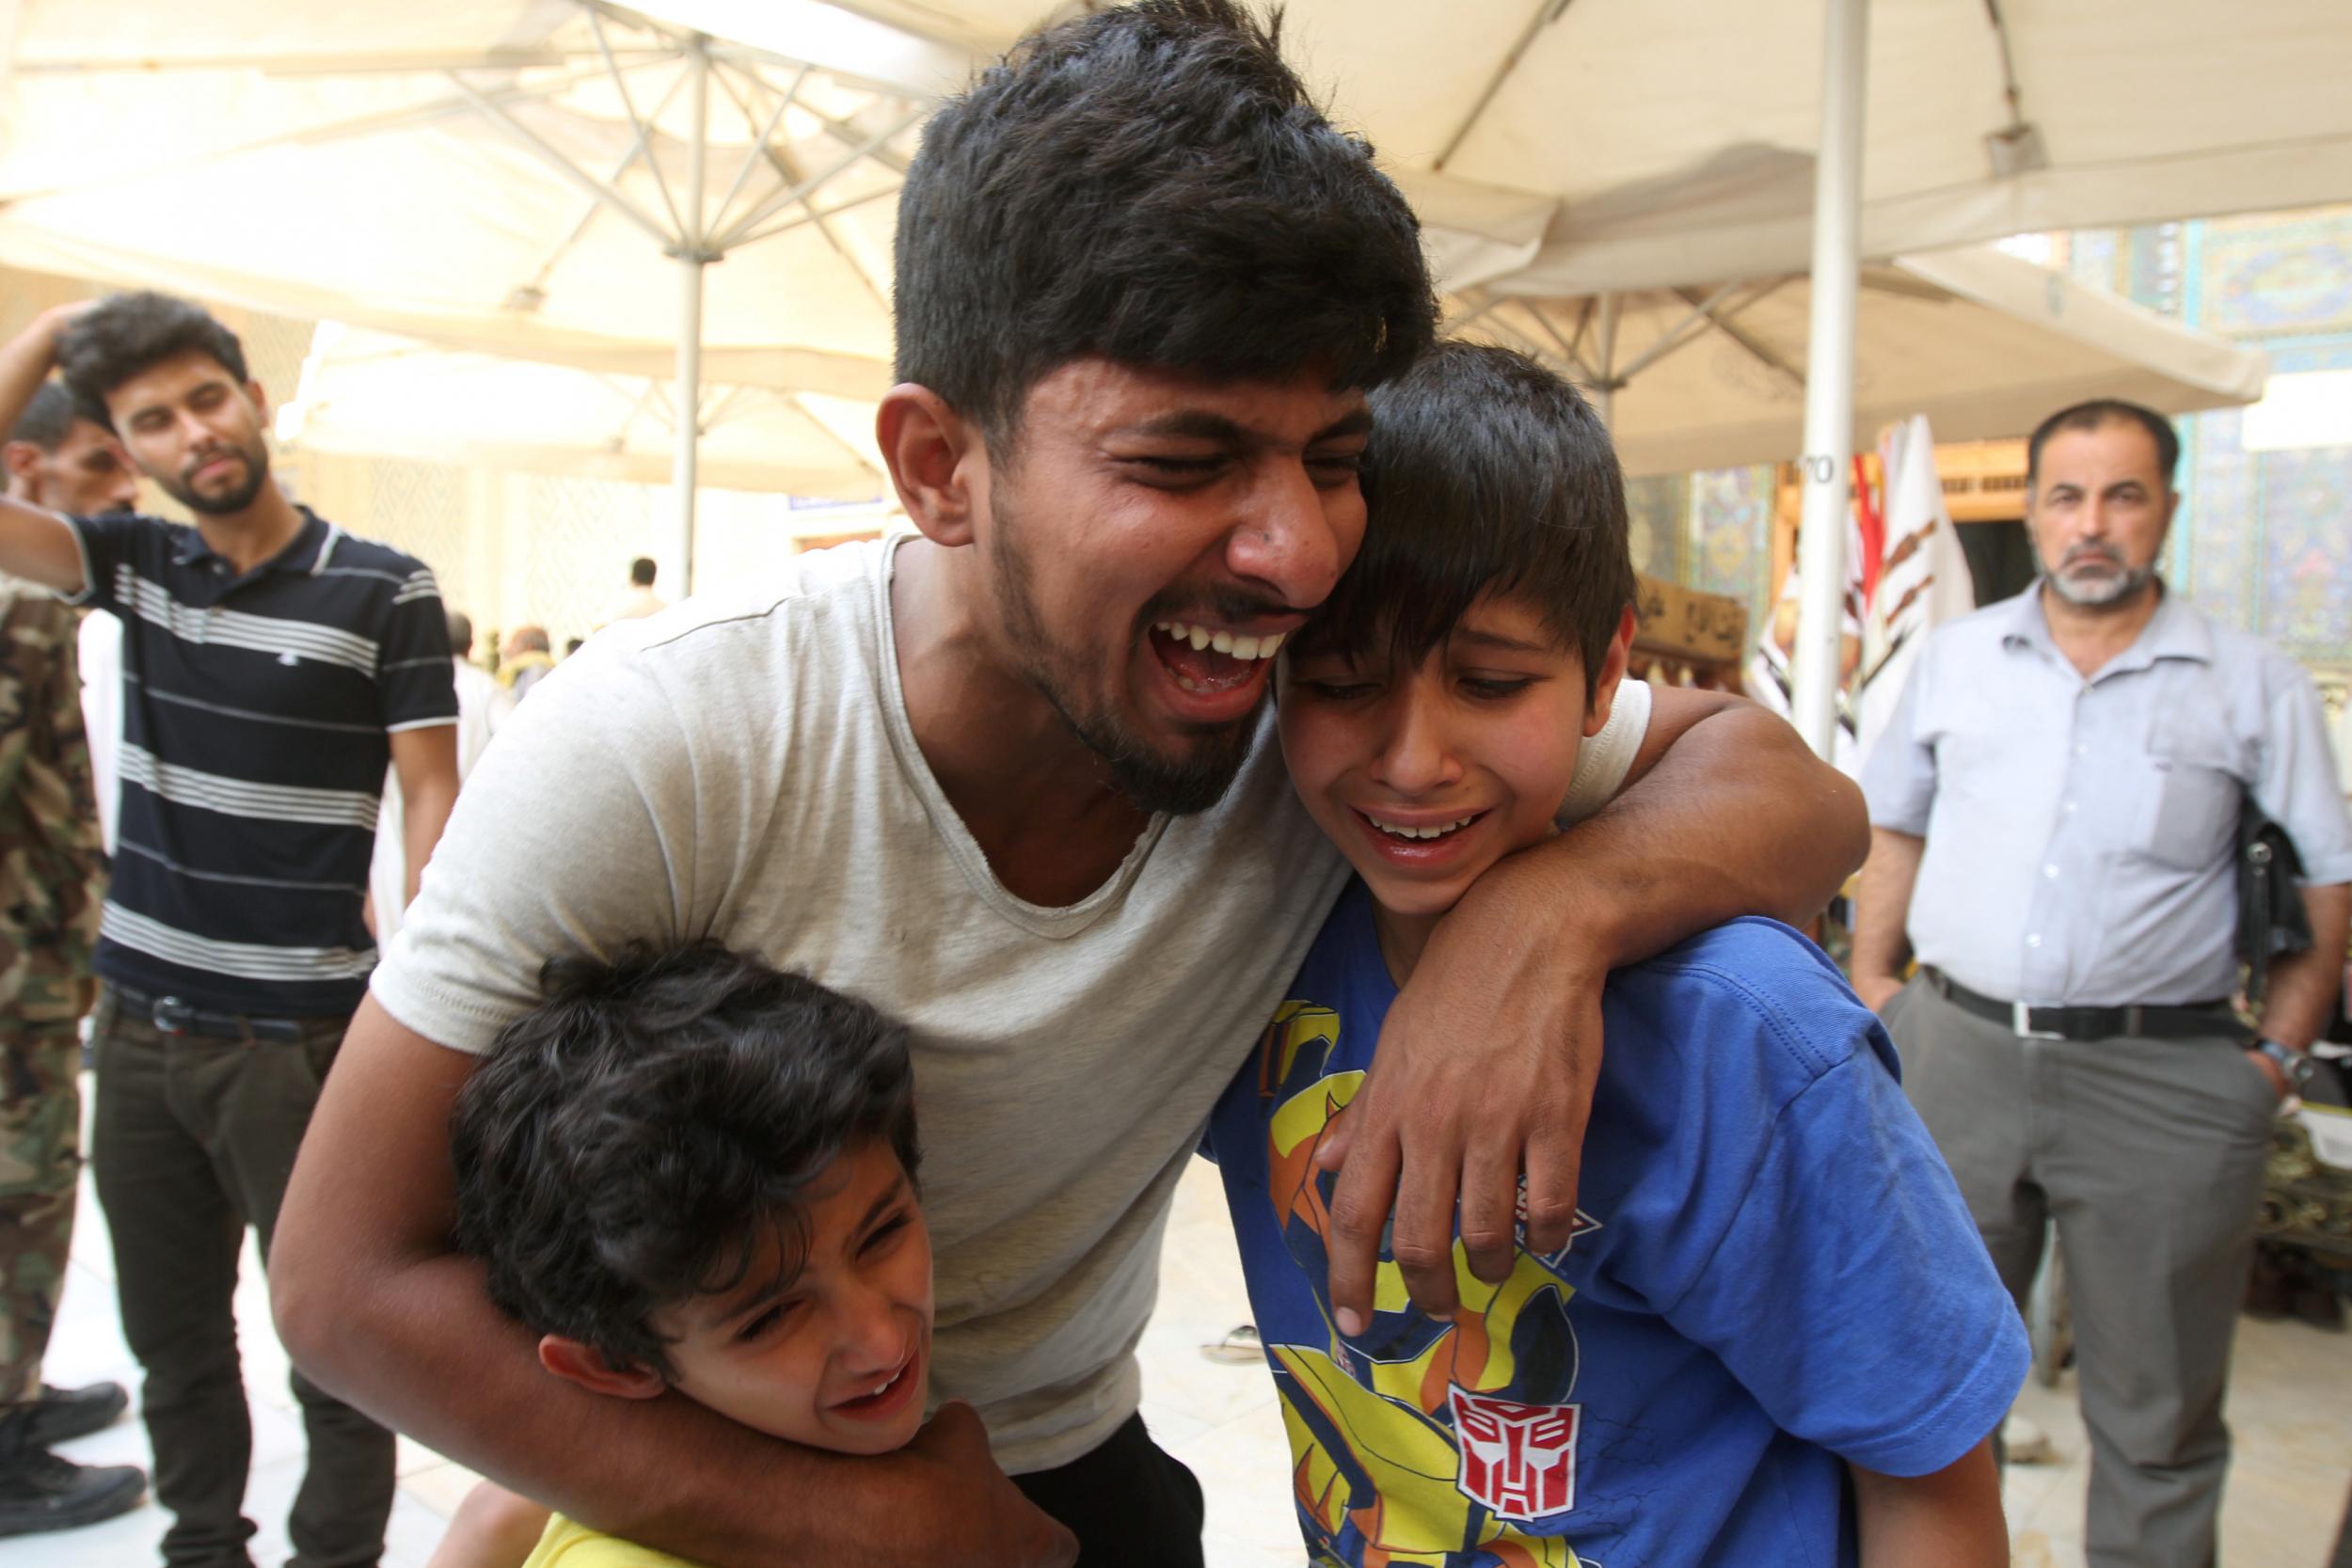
pixel 2291 1406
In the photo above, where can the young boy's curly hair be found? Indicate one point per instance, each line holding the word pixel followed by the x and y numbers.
pixel 629 1142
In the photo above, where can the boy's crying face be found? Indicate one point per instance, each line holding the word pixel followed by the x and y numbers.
pixel 1426 775
pixel 836 1354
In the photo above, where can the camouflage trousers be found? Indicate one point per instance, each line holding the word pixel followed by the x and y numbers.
pixel 41 1162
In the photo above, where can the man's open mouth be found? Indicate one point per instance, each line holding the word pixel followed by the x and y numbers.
pixel 1204 660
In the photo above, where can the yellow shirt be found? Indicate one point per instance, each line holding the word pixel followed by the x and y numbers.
pixel 566 1545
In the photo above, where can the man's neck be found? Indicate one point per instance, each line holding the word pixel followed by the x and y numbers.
pixel 2090 636
pixel 1039 804
pixel 247 539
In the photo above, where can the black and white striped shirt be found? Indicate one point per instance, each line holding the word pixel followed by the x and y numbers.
pixel 256 708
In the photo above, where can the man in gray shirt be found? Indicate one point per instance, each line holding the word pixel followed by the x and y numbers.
pixel 2054 820
pixel 1012 779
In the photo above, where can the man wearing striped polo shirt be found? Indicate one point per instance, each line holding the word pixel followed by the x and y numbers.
pixel 272 665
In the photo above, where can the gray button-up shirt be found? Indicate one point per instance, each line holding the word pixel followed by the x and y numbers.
pixel 2081 835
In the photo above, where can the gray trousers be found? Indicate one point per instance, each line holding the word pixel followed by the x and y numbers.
pixel 2148 1156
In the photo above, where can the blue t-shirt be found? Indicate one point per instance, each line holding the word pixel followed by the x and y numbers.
pixel 1773 1273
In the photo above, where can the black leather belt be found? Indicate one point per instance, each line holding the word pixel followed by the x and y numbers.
pixel 2179 1021
pixel 172 1016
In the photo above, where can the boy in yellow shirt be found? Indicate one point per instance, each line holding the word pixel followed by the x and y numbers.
pixel 689 1172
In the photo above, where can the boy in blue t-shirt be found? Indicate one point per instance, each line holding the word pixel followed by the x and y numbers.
pixel 1774 1336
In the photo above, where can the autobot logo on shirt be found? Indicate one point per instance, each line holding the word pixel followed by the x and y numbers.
pixel 1519 1459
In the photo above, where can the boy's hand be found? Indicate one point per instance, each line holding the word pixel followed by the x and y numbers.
pixel 968 1503
pixel 1486 1071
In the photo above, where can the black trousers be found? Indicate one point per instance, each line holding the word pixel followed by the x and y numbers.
pixel 1130 1502
pixel 195 1140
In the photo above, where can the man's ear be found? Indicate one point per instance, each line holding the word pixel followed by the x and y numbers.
pixel 261 403
pixel 929 448
pixel 22 459
pixel 586 1365
pixel 1612 672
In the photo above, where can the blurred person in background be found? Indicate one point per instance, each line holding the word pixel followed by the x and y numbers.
pixel 273 664
pixel 524 660
pixel 483 705
pixel 58 458
pixel 641 600
pixel 2055 808
pixel 52 885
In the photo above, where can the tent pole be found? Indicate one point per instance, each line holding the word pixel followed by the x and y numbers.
pixel 693 258
pixel 1829 374
pixel 1604 394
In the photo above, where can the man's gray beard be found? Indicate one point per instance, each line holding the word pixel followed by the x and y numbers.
pixel 2107 594
pixel 1181 788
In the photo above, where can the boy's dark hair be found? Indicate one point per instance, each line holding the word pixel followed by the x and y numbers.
pixel 1153 184
pixel 46 418
pixel 641 571
pixel 628 1143
pixel 1486 473
pixel 2105 411
pixel 127 333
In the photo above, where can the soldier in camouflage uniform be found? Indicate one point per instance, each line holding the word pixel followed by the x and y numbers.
pixel 51 887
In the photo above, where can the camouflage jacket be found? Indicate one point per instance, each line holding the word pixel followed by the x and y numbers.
pixel 52 880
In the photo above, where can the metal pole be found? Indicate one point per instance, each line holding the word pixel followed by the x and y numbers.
pixel 1604 398
pixel 693 259
pixel 1829 372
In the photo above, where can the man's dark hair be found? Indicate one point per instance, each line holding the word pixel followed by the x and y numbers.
pixel 628 1143
pixel 1486 473
pixel 1153 184
pixel 47 417
pixel 2105 411
pixel 126 333
pixel 641 571
pixel 460 634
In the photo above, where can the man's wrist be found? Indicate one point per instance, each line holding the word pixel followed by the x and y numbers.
pixel 2294 1065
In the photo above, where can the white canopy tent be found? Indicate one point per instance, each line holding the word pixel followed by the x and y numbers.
pixel 1685 141
pixel 1676 137
pixel 538 176
pixel 371 394
pixel 1980 341
pixel 561 180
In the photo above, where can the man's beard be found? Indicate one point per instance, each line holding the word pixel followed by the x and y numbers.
pixel 2100 591
pixel 256 459
pixel 1179 786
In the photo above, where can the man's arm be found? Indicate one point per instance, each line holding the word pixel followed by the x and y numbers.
pixel 1882 916
pixel 426 762
pixel 35 545
pixel 1488 1059
pixel 1950 1519
pixel 374 1304
pixel 2303 985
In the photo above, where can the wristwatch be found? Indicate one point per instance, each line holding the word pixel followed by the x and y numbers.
pixel 2293 1064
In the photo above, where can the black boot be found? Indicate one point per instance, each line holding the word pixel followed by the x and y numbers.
pixel 61 1415
pixel 41 1492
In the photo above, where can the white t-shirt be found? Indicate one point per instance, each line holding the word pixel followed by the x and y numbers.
pixel 747 772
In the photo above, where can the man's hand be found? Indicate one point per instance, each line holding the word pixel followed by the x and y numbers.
pixel 1445 1115
pixel 2278 1080
pixel 1877 990
pixel 957 1479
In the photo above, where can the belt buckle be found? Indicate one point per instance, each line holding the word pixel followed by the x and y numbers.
pixel 2021 1020
pixel 170 1016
